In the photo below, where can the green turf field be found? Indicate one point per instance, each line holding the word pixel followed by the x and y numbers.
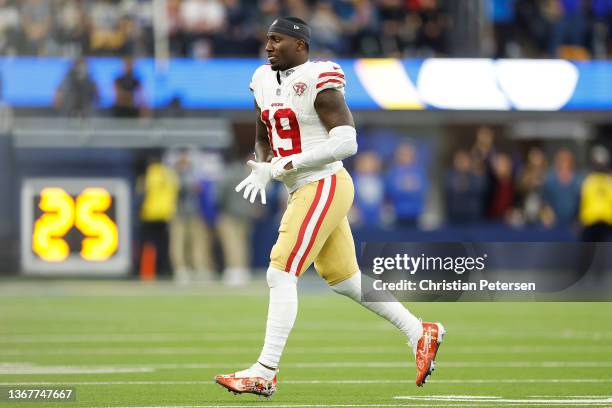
pixel 129 345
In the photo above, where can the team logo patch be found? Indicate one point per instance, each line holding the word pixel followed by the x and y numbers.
pixel 299 88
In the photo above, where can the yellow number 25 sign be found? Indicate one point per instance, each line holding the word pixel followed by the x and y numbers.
pixel 75 226
pixel 87 213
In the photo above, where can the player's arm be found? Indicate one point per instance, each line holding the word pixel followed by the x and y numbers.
pixel 332 110
pixel 338 120
pixel 263 150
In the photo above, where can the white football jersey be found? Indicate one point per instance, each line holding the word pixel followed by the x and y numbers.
pixel 287 110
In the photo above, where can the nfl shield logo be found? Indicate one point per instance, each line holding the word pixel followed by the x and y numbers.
pixel 299 88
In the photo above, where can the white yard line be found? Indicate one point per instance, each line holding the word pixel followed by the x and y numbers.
pixel 124 337
pixel 402 364
pixel 356 382
pixel 293 350
pixel 569 396
pixel 477 399
pixel 363 405
pixel 352 405
pixel 19 368
pixel 255 334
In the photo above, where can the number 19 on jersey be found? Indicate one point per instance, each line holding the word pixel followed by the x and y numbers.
pixel 285 127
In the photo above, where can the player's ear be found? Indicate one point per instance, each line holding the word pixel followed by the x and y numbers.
pixel 301 45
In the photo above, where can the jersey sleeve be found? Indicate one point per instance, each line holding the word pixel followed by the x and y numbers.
pixel 256 84
pixel 329 75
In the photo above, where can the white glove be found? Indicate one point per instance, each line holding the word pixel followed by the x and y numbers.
pixel 256 181
pixel 278 170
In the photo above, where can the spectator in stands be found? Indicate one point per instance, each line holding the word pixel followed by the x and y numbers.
pixel 373 28
pixel 131 37
pixel 299 9
pixel 9 27
pixel 392 18
pixel 36 25
pixel 482 153
pixel 77 94
pixel 128 93
pixel 267 12
pixel 502 198
pixel 211 169
pixel 502 15
pixel 202 21
pixel 177 41
pixel 234 225
pixel 326 29
pixel 534 19
pixel 363 29
pixel 561 190
pixel 238 36
pixel 369 189
pixel 569 25
pixel 596 198
pixel 464 188
pixel 141 12
pixel 189 244
pixel 406 185
pixel 602 29
pixel 71 27
pixel 432 32
pixel 105 36
pixel 529 187
pixel 159 188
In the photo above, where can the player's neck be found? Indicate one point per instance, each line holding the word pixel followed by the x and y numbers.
pixel 285 73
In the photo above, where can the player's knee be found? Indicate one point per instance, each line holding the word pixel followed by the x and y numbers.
pixel 334 276
pixel 333 279
pixel 350 287
pixel 278 278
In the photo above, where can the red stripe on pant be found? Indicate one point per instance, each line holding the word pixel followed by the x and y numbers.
pixel 330 198
pixel 311 210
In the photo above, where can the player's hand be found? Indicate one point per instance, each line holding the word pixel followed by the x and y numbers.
pixel 281 166
pixel 256 181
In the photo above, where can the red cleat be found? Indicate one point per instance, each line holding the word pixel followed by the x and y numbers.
pixel 427 348
pixel 248 385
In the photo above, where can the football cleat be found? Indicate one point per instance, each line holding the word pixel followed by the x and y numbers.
pixel 247 385
pixel 426 351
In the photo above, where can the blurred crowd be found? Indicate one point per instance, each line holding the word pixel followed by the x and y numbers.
pixel 190 213
pixel 193 223
pixel 571 29
pixel 356 28
pixel 487 184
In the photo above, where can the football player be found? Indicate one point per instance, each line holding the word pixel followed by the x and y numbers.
pixel 304 130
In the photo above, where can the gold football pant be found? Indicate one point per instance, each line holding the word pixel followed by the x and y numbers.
pixel 315 228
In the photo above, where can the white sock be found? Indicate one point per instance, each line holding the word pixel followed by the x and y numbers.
pixel 394 312
pixel 282 311
pixel 257 370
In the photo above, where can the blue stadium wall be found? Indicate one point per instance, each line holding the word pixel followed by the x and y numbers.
pixel 433 84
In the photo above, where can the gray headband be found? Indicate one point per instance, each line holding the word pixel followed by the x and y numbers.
pixel 291 28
